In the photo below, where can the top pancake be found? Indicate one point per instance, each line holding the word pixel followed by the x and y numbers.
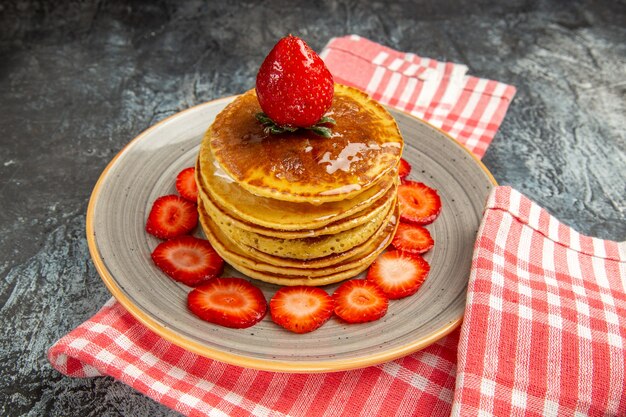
pixel 301 166
pixel 276 214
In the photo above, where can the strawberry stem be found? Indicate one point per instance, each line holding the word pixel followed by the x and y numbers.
pixel 271 127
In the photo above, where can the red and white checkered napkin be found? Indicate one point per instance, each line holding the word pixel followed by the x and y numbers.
pixel 469 108
pixel 536 288
pixel 544 332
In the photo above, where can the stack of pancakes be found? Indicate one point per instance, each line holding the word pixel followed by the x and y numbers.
pixel 298 208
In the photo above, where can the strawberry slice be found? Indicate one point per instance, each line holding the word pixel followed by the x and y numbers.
pixel 412 238
pixel 360 301
pixel 186 184
pixel 419 203
pixel 171 216
pixel 398 274
pixel 404 169
pixel 301 309
pixel 293 85
pixel 188 259
pixel 229 302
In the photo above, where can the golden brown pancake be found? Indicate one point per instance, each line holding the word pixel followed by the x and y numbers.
pixel 277 214
pixel 309 247
pixel 302 166
pixel 356 252
pixel 225 218
pixel 313 272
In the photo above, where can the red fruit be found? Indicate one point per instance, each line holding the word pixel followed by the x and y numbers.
pixel 398 274
pixel 412 238
pixel 301 309
pixel 188 259
pixel 230 302
pixel 293 85
pixel 171 216
pixel 360 301
pixel 419 203
pixel 186 184
pixel 404 169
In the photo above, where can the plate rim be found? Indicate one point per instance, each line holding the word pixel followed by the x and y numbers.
pixel 224 356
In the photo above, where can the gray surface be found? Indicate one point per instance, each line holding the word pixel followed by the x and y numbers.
pixel 78 81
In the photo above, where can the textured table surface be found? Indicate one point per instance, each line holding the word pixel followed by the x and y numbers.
pixel 80 80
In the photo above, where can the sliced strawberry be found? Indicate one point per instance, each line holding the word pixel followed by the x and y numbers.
pixel 230 302
pixel 412 238
pixel 398 274
pixel 293 85
pixel 188 259
pixel 419 203
pixel 404 169
pixel 301 309
pixel 171 216
pixel 360 301
pixel 186 184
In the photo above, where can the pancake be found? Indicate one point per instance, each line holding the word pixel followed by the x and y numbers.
pixel 365 145
pixel 276 214
pixel 222 217
pixel 281 275
pixel 301 280
pixel 217 237
pixel 309 247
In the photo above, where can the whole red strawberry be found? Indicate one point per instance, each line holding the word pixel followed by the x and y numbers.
pixel 293 85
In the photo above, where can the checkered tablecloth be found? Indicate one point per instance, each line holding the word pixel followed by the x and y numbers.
pixel 545 325
pixel 544 331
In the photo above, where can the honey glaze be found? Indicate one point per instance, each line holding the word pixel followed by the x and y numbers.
pixel 301 166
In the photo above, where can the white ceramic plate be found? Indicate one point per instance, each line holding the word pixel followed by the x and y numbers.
pixel 146 168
